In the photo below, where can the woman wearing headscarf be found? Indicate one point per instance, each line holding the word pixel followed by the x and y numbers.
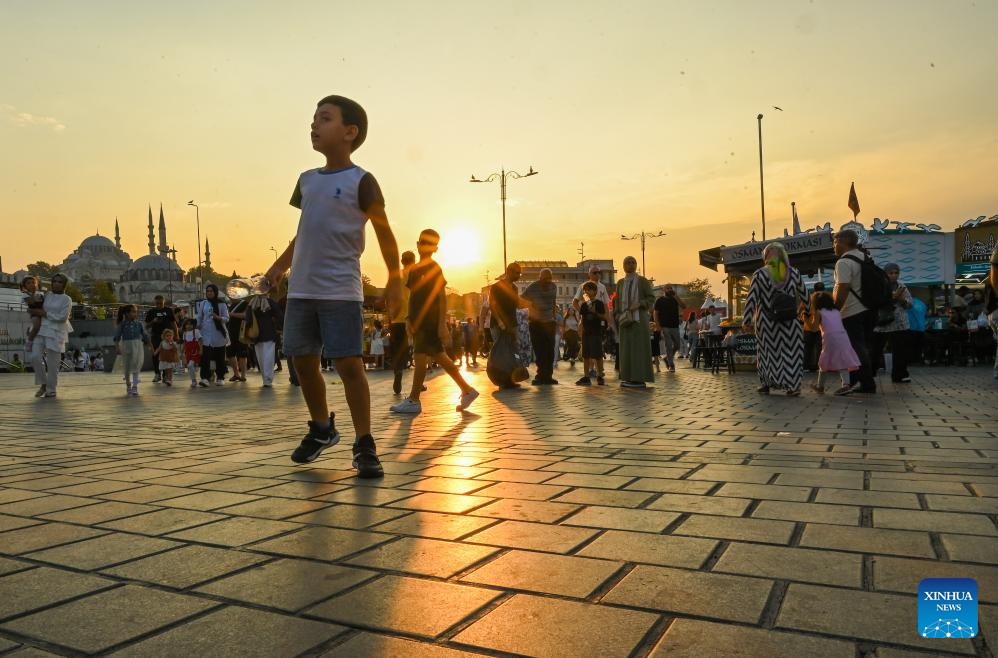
pixel 212 316
pixel 635 298
pixel 774 302
pixel 897 331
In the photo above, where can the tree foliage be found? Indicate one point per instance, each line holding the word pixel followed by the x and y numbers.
pixel 210 276
pixel 102 293
pixel 74 293
pixel 697 292
pixel 42 270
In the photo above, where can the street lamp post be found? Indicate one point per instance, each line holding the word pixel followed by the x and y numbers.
pixel 197 216
pixel 762 193
pixel 502 175
pixel 643 236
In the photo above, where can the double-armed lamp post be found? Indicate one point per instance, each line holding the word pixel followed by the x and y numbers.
pixel 643 236
pixel 502 175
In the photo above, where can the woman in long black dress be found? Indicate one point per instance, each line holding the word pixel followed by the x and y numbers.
pixel 780 343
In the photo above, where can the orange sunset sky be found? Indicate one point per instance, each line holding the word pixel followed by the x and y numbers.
pixel 638 115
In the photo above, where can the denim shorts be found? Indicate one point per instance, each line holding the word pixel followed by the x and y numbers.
pixel 333 328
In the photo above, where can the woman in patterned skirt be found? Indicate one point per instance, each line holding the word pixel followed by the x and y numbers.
pixel 775 287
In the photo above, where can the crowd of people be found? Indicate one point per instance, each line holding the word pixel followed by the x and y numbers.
pixel 321 319
pixel 845 332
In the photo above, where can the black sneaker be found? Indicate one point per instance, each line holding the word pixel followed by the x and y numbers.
pixel 315 442
pixel 601 381
pixel 584 381
pixel 365 458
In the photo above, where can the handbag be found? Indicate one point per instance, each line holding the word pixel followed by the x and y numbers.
pixel 249 331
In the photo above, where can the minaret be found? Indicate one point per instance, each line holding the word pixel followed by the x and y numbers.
pixel 152 240
pixel 207 255
pixel 164 249
pixel 117 234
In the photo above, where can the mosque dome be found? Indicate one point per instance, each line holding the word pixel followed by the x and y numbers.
pixel 97 241
pixel 153 267
pixel 96 259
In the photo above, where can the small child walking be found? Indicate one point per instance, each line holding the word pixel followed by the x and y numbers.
pixel 192 350
pixel 129 340
pixel 168 353
pixel 593 312
pixel 33 299
pixel 378 345
pixel 837 354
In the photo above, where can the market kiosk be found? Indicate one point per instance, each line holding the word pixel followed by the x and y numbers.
pixel 808 252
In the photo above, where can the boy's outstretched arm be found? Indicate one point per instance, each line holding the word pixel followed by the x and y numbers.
pixel 390 252
pixel 281 266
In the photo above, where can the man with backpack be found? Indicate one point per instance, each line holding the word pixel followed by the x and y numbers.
pixel 860 291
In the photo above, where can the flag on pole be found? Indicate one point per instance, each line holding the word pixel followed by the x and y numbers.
pixel 853 201
pixel 793 207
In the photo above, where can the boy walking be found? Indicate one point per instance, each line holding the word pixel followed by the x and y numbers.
pixel 427 324
pixel 325 295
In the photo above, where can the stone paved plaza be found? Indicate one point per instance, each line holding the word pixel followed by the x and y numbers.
pixel 694 519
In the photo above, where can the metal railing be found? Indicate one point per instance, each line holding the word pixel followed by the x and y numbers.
pixel 12 366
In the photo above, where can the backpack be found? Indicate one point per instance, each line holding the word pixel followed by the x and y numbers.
pixel 876 290
pixel 782 307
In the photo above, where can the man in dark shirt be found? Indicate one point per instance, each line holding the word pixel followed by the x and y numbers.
pixel 542 296
pixel 667 309
pixel 158 319
pixel 504 300
pixel 427 324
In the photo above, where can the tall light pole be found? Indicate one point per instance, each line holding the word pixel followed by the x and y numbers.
pixel 762 192
pixel 501 176
pixel 197 216
pixel 643 236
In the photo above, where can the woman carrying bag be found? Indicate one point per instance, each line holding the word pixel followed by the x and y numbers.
pixel 635 298
pixel 774 303
pixel 213 316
